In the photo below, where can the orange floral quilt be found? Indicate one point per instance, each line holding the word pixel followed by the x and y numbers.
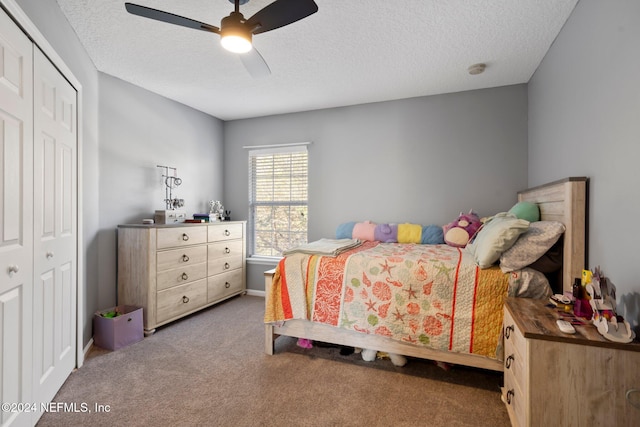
pixel 429 295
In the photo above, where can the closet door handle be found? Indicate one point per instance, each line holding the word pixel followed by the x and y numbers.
pixel 185 236
pixel 49 255
pixel 185 258
pixel 12 269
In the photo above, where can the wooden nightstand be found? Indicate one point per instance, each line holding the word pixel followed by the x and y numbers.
pixel 551 378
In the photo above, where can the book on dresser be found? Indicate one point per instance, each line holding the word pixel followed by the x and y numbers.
pixel 175 270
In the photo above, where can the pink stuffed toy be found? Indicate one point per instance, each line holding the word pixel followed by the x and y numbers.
pixel 459 232
pixel 305 343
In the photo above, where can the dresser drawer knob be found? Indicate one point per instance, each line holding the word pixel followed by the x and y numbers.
pixel 185 299
pixel 510 394
pixel 507 363
pixel 508 330
pixel 226 266
pixel 227 285
pixel 185 258
pixel 184 276
pixel 227 250
pixel 185 236
pixel 227 233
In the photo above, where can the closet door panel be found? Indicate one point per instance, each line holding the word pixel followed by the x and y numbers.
pixel 55 236
pixel 16 219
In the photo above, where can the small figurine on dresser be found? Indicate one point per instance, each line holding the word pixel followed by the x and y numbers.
pixel 216 211
pixel 602 299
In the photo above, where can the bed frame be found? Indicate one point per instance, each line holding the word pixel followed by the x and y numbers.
pixel 564 201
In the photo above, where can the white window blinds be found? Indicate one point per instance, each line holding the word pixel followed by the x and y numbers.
pixel 278 198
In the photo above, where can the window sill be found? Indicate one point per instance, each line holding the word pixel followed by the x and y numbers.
pixel 264 260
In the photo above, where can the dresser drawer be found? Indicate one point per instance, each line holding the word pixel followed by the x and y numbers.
pixel 230 248
pixel 512 335
pixel 223 231
pixel 181 236
pixel 225 264
pixel 514 366
pixel 176 258
pixel 224 284
pixel 180 276
pixel 179 300
pixel 514 399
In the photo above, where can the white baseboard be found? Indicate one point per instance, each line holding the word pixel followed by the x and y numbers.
pixel 85 352
pixel 87 348
pixel 255 293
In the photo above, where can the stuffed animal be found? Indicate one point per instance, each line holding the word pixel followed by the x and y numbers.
pixel 432 235
pixel 345 230
pixel 364 231
pixel 409 233
pixel 386 233
pixel 459 232
pixel 369 355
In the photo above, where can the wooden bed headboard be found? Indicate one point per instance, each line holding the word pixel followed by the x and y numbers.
pixel 565 201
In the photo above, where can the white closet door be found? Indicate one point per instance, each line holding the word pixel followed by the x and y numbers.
pixel 55 236
pixel 16 219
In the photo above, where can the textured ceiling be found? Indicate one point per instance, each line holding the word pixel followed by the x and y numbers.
pixel 349 52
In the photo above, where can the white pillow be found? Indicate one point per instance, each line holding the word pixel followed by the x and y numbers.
pixel 495 237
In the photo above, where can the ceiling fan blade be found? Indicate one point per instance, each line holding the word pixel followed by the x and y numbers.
pixel 158 15
pixel 255 64
pixel 280 13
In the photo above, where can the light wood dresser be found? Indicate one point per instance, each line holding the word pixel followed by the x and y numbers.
pixel 552 378
pixel 174 270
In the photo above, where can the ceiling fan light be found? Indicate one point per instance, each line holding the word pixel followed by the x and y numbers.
pixel 235 43
pixel 235 36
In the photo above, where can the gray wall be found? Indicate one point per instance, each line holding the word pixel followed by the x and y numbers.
pixel 420 160
pixel 138 131
pixel 584 119
pixel 389 161
pixel 127 131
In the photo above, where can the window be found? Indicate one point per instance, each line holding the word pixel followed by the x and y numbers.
pixel 277 199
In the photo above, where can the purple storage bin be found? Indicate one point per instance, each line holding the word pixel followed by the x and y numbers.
pixel 112 333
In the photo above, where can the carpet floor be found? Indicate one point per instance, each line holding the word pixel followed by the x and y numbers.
pixel 210 369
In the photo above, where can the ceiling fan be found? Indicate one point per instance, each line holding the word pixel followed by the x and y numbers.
pixel 235 31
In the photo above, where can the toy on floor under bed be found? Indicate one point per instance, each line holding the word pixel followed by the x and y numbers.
pixel 367 355
pixel 397 359
pixel 307 343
